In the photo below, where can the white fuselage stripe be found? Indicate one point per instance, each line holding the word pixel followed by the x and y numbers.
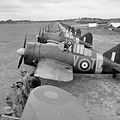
pixel 75 45
pixel 82 49
pixel 99 63
pixel 78 48
pixel 77 40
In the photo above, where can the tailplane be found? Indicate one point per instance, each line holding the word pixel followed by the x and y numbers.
pixel 113 54
pixel 88 38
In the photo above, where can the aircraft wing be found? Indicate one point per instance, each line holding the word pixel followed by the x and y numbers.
pixel 55 70
pixel 53 103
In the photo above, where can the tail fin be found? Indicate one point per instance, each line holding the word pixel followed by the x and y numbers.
pixel 113 54
pixel 88 38
pixel 78 32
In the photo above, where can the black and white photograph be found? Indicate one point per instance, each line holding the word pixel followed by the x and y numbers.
pixel 59 60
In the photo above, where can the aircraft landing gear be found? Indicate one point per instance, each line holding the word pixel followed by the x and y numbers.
pixel 114 76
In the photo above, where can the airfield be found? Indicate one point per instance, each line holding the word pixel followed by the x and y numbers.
pixel 98 94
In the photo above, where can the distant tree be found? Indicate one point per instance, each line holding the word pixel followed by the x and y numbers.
pixel 9 20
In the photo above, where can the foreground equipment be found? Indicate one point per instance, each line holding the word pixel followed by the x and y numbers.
pixel 52 103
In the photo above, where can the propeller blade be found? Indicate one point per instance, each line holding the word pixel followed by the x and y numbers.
pixel 39 32
pixel 20 61
pixel 25 41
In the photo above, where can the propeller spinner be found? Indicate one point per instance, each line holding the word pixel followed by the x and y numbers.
pixel 21 52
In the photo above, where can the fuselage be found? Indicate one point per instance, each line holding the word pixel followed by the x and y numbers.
pixel 55 32
pixel 82 60
pixel 53 36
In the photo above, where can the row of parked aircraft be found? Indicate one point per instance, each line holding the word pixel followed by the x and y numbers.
pixel 59 52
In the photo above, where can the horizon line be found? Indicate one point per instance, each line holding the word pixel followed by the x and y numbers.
pixel 59 19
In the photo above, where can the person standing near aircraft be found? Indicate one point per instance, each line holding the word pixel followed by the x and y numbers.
pixel 21 90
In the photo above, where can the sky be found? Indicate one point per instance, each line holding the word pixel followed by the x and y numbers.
pixel 58 9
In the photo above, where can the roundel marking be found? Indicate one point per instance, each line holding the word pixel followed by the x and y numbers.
pixel 69 43
pixel 84 65
pixel 51 95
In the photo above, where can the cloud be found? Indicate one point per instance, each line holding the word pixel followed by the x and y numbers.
pixel 58 9
pixel 78 9
pixel 46 1
pixel 13 5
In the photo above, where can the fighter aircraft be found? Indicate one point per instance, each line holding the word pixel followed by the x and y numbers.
pixel 60 61
pixel 74 31
pixel 57 33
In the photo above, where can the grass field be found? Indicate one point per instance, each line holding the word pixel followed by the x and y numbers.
pixel 99 94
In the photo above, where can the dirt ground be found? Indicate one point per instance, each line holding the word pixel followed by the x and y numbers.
pixel 99 94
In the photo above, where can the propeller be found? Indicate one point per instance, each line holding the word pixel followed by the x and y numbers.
pixel 39 32
pixel 21 52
